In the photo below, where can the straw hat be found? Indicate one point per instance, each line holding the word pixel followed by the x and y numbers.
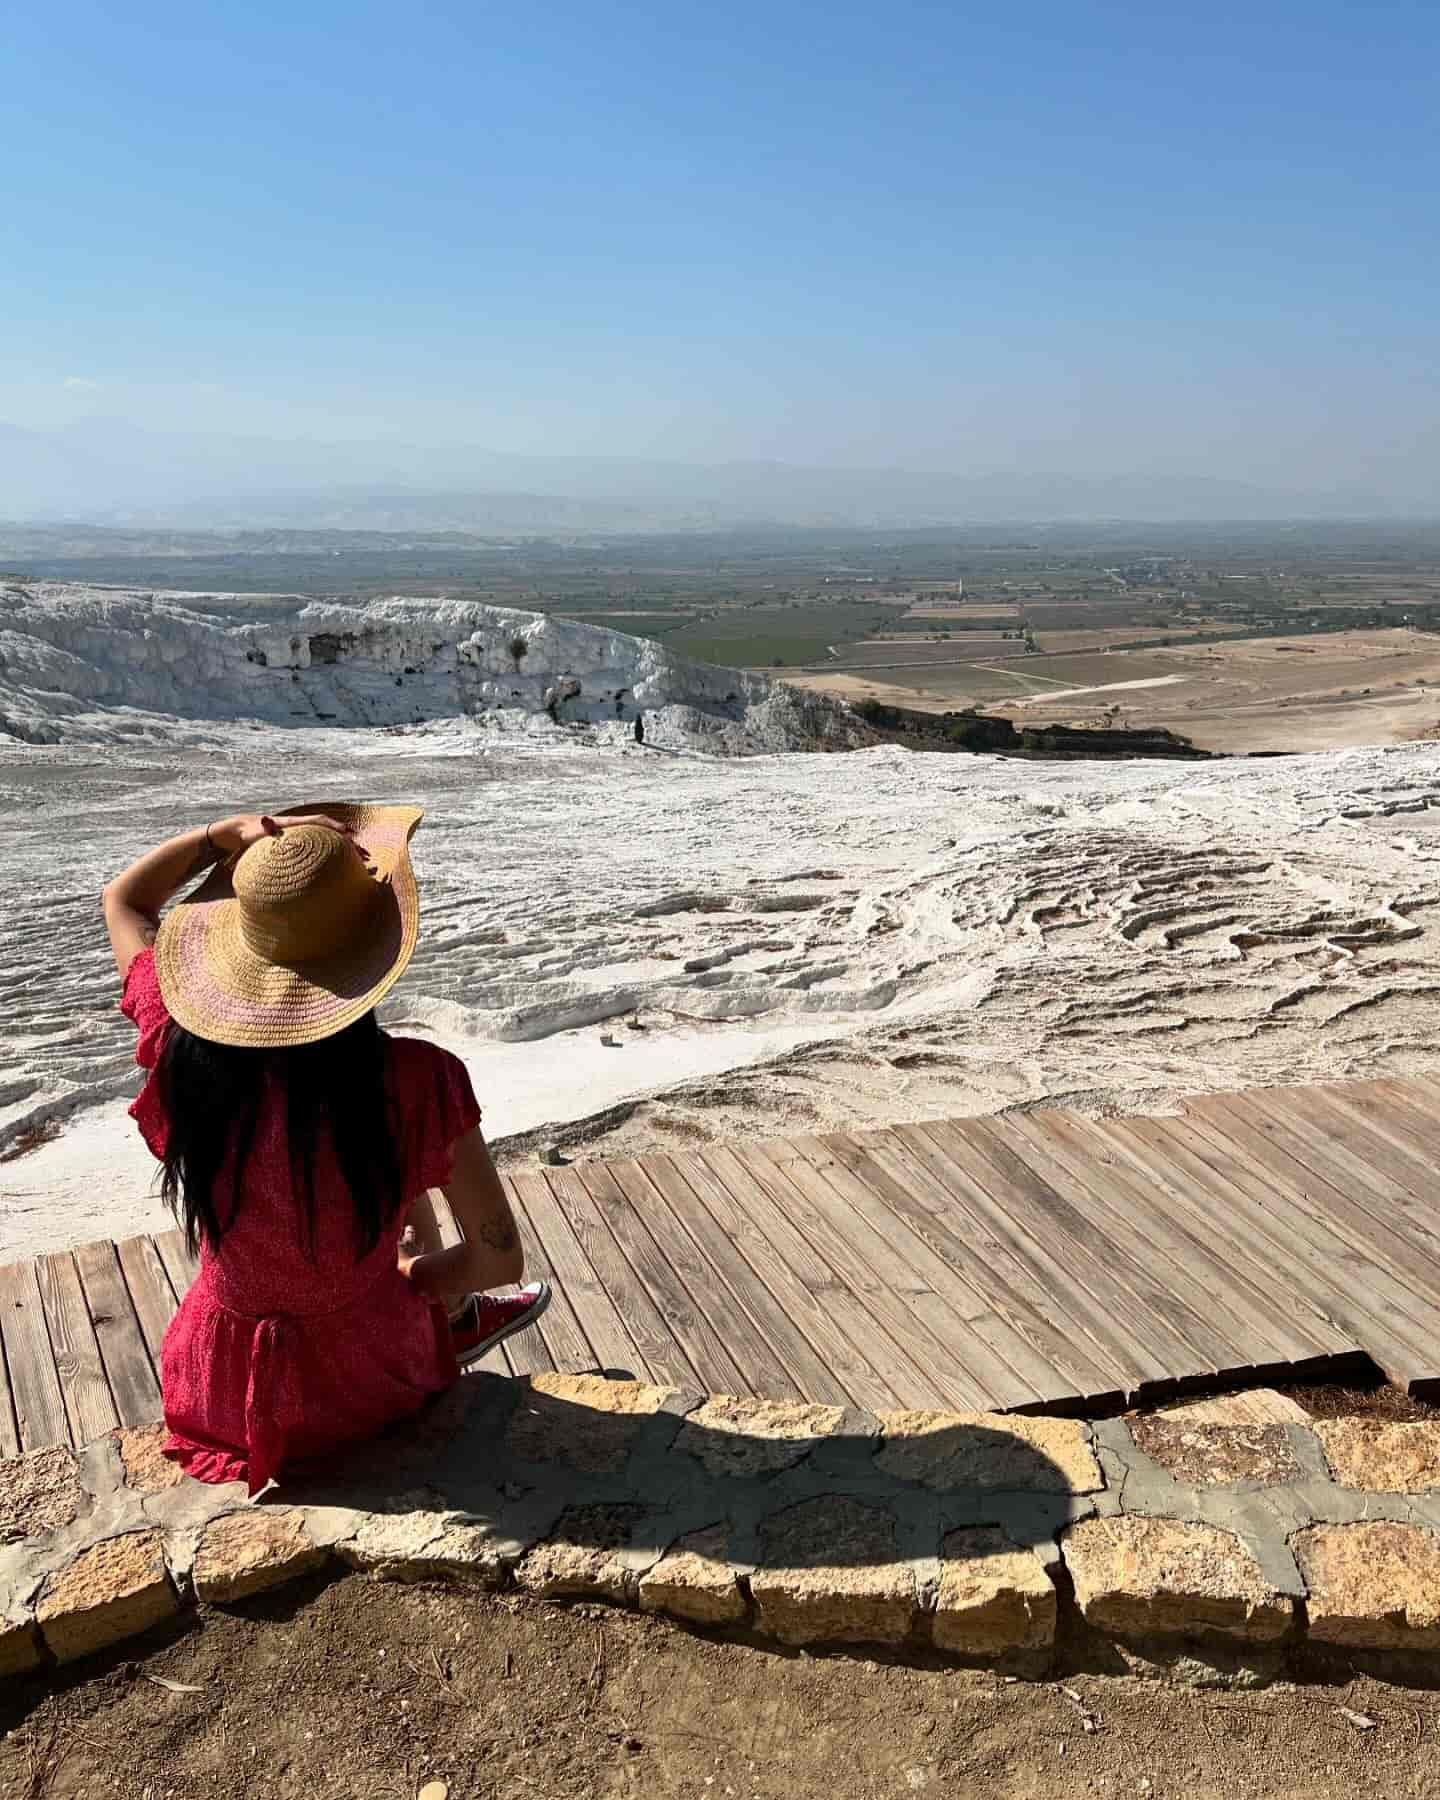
pixel 297 936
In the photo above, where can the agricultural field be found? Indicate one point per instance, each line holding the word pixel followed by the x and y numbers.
pixel 762 636
pixel 902 653
pixel 835 609
pixel 1357 687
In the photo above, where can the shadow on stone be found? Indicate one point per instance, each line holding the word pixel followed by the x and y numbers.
pixel 816 1523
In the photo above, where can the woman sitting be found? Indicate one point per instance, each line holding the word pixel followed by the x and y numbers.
pixel 296 1137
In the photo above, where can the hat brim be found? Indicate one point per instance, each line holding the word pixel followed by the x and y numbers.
pixel 217 987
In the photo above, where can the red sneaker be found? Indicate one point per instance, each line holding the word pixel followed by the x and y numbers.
pixel 488 1319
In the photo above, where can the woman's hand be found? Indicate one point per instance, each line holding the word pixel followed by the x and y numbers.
pixel 244 829
pixel 133 900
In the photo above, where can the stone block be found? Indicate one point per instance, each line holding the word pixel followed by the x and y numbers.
pixel 1380 1456
pixel 147 1469
pixel 112 1591
pixel 728 1436
pixel 1374 1585
pixel 1204 1455
pixel 996 1451
pixel 1144 1578
pixel 995 1599
pixel 419 1546
pixel 583 1420
pixel 584 1555
pixel 39 1492
pixel 246 1552
pixel 694 1580
pixel 829 1573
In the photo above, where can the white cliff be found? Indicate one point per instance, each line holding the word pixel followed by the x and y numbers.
pixel 93 665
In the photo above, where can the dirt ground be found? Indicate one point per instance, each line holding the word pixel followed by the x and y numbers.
pixel 1301 693
pixel 359 1691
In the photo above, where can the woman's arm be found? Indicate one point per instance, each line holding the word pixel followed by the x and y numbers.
pixel 132 901
pixel 491 1255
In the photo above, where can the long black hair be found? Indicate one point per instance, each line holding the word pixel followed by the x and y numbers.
pixel 212 1095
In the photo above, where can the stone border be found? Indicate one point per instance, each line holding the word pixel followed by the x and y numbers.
pixel 1020 1543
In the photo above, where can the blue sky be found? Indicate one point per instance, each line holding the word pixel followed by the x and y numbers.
pixel 1063 236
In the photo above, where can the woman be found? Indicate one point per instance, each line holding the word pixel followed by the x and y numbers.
pixel 295 1136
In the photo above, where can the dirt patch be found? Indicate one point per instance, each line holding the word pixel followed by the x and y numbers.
pixel 1382 1402
pixel 369 1692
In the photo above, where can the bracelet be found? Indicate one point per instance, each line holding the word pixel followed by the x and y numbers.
pixel 209 845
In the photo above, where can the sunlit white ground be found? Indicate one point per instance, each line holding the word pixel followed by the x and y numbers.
pixel 634 948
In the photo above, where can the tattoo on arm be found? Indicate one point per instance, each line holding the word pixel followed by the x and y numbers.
pixel 499 1234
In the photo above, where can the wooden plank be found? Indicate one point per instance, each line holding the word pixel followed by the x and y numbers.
pixel 122 1345
pixel 1249 1295
pixel 1057 1246
pixel 1165 1284
pixel 661 1358
pixel 40 1415
pixel 1308 1167
pixel 180 1265
pixel 1048 1360
pixel 1386 1177
pixel 758 1369
pixel 839 1373
pixel 950 1307
pixel 613 1348
pixel 1312 1263
pixel 685 1323
pixel 1391 1141
pixel 1303 1333
pixel 1263 1218
pixel 847 1237
pixel 686 1191
pixel 9 1433
pixel 1296 1216
pixel 527 1352
pixel 851 1300
pixel 88 1405
pixel 150 1291
pixel 564 1334
pixel 1199 1276
pixel 1048 1290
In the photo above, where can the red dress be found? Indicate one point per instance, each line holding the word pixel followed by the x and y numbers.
pixel 278 1356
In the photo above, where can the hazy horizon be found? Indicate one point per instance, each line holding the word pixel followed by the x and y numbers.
pixel 110 472
pixel 1086 244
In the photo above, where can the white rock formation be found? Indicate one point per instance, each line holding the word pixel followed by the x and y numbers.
pixel 634 949
pixel 95 665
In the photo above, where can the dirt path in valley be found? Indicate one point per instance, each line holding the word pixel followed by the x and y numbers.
pixel 360 1691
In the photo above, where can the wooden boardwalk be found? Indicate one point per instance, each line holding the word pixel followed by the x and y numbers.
pixel 1038 1259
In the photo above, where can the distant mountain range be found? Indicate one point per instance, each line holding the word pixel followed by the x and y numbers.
pixel 110 471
